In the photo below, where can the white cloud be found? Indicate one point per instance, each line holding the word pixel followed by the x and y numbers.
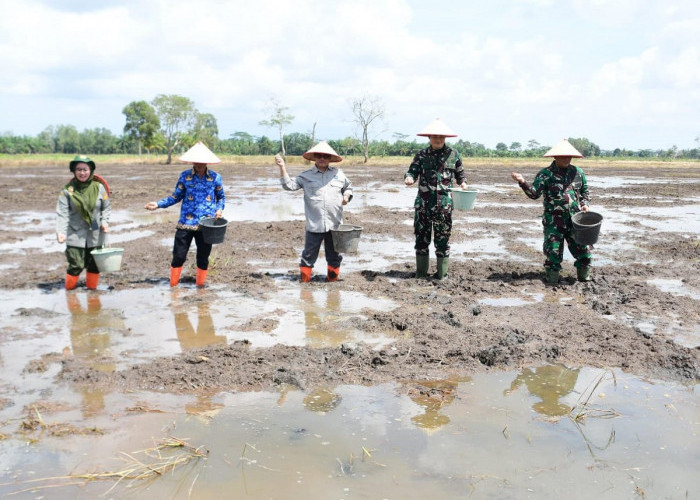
pixel 503 71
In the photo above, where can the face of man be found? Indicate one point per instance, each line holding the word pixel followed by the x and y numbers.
pixel 562 161
pixel 322 160
pixel 82 171
pixel 437 141
pixel 200 168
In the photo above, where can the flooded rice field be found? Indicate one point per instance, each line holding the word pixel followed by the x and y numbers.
pixel 487 384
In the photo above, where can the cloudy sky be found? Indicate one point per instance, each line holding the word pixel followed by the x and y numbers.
pixel 623 73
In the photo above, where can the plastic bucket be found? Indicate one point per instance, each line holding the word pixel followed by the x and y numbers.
pixel 463 199
pixel 586 227
pixel 346 237
pixel 108 259
pixel 213 230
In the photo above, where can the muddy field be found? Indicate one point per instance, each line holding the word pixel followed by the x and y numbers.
pixel 443 328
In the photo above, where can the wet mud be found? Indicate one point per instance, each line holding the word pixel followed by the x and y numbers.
pixel 441 329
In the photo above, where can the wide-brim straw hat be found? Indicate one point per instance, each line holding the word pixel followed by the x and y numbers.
pixel 437 127
pixel 199 153
pixel 324 148
pixel 563 148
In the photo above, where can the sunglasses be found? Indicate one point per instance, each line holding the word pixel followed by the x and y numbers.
pixel 323 155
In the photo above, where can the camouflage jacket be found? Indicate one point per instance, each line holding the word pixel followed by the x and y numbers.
pixel 565 190
pixel 435 170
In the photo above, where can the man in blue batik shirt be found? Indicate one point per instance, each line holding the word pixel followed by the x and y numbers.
pixel 201 192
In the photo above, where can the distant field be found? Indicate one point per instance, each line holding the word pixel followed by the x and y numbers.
pixel 58 159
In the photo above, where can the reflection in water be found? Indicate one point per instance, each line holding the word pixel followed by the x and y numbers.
pixel 204 408
pixel 549 383
pixel 320 328
pixel 432 396
pixel 189 337
pixel 322 400
pixel 90 341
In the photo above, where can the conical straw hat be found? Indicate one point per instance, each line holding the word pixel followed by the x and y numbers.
pixel 323 147
pixel 563 148
pixel 437 128
pixel 199 153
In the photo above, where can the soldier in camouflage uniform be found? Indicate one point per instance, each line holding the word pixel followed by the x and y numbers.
pixel 435 167
pixel 565 193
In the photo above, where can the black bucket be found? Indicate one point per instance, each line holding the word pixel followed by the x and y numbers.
pixel 213 230
pixel 586 227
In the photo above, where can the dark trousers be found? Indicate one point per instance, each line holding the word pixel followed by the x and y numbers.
pixel 183 240
pixel 312 244
pixel 79 259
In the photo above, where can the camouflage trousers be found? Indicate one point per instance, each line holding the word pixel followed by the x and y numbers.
pixel 553 247
pixel 426 227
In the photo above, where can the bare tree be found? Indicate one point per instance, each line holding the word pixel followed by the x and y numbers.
pixel 366 110
pixel 278 118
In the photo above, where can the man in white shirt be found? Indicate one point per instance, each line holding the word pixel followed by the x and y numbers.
pixel 326 191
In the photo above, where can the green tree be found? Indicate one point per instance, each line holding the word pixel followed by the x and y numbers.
pixel 176 114
pixel 279 119
pixel 66 139
pixel 584 146
pixel 142 123
pixel 205 129
pixel 501 149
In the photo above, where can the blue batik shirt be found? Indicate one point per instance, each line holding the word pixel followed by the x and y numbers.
pixel 200 197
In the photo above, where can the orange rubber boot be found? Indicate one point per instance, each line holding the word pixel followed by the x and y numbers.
pixel 201 276
pixel 91 280
pixel 333 273
pixel 175 275
pixel 71 281
pixel 305 274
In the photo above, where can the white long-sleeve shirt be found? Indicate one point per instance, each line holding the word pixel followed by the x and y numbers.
pixel 323 196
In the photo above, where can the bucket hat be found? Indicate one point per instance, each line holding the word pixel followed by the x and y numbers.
pixel 81 159
pixel 563 148
pixel 324 148
pixel 199 153
pixel 436 127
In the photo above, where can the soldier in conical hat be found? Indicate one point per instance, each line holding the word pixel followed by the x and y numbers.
pixel 435 167
pixel 326 191
pixel 201 192
pixel 565 193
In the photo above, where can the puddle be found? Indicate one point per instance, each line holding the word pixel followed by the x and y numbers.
pixel 675 287
pixel 603 182
pixel 133 325
pixel 676 329
pixel 525 299
pixel 498 435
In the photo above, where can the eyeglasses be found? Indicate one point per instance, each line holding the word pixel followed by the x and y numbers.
pixel 323 155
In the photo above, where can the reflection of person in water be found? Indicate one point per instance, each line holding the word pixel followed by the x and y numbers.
pixel 432 397
pixel 319 321
pixel 322 400
pixel 549 383
pixel 89 335
pixel 203 336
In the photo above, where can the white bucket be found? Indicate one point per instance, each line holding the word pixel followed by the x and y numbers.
pixel 463 199
pixel 108 259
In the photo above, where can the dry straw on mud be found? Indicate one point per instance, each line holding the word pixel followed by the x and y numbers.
pixel 140 465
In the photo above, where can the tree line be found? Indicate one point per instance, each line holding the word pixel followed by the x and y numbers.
pixel 171 124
